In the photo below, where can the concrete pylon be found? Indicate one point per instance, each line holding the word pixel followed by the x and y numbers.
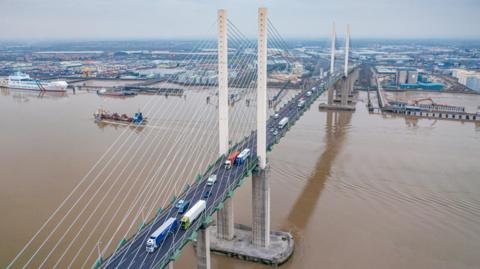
pixel 222 81
pixel 203 249
pixel 225 222
pixel 347 50
pixel 260 184
pixel 332 53
pixel 347 83
pixel 262 88
pixel 330 93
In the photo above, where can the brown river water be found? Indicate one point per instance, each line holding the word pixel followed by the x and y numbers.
pixel 356 190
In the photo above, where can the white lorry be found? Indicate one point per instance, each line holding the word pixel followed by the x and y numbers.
pixel 193 213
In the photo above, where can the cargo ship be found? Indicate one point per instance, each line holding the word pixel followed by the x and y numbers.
pixel 103 115
pixel 113 93
pixel 23 81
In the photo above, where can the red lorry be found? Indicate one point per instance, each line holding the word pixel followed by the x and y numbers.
pixel 231 159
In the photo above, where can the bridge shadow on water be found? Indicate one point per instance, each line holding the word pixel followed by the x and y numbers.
pixel 337 124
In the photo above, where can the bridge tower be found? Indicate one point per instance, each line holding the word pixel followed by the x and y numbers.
pixel 340 96
pixel 260 183
pixel 225 215
pixel 347 50
pixel 332 65
pixel 346 90
pixel 225 224
pixel 332 52
pixel 257 243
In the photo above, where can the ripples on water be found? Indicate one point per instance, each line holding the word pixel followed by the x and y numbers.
pixel 398 193
pixel 356 190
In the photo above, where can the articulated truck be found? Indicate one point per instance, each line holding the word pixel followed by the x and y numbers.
pixel 231 159
pixel 193 213
pixel 161 234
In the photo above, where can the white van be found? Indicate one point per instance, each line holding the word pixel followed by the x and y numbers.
pixel 211 180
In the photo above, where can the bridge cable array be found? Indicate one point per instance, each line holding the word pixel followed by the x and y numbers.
pixel 137 158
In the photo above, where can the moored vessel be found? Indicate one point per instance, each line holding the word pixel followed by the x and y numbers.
pixel 23 81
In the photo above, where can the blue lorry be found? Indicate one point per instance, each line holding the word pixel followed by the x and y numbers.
pixel 161 234
pixel 243 156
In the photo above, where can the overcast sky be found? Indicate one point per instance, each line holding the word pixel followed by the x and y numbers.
pixel 153 19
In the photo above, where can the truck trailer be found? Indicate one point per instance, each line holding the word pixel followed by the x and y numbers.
pixel 282 123
pixel 243 156
pixel 160 234
pixel 193 213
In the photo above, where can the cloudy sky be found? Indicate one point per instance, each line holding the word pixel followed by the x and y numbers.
pixel 153 19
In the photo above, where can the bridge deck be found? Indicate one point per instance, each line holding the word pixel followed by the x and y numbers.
pixel 133 254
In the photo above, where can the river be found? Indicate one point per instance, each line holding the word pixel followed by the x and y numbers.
pixel 356 190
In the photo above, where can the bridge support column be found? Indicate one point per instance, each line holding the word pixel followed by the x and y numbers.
pixel 260 209
pixel 345 91
pixel 225 224
pixel 203 249
pixel 330 94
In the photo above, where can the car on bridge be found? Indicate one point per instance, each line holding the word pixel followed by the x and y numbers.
pixel 301 103
pixel 211 180
pixel 182 206
pixel 207 194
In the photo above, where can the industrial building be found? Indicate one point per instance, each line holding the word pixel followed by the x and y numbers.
pixel 406 78
pixel 470 79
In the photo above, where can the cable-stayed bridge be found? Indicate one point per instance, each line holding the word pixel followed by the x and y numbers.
pixel 121 229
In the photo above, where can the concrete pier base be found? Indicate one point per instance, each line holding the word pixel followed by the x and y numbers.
pixel 349 107
pixel 241 247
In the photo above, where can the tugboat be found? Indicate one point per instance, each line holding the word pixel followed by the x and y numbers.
pixel 103 115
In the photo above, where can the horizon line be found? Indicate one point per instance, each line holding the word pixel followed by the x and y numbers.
pixel 193 38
